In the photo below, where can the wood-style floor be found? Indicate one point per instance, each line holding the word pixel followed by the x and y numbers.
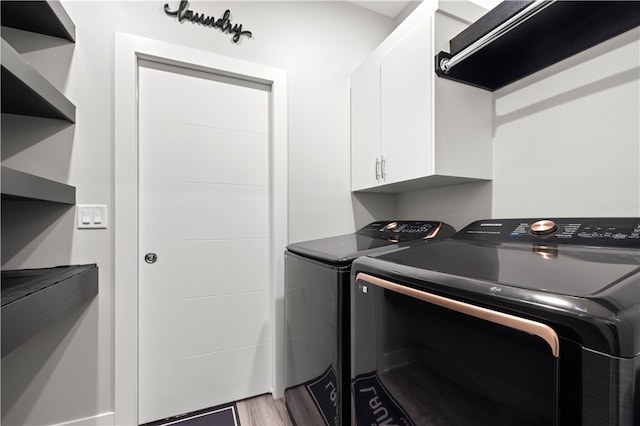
pixel 263 410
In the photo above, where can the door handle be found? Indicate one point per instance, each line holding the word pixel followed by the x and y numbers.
pixel 377 169
pixel 383 162
pixel 150 258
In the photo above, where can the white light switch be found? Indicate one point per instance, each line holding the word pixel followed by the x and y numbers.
pixel 92 216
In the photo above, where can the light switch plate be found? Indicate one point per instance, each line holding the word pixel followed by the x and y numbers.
pixel 91 216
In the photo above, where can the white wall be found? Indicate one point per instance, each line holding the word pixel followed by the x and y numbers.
pixel 567 141
pixel 66 372
pixel 566 144
pixel 457 205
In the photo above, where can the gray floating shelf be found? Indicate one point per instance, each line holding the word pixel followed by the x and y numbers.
pixel 43 17
pixel 32 299
pixel 26 92
pixel 560 30
pixel 17 185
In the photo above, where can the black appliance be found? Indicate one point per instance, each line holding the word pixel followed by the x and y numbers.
pixel 317 277
pixel 509 322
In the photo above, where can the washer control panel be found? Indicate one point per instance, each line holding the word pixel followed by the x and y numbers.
pixel 608 232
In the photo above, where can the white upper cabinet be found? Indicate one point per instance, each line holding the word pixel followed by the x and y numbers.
pixel 405 107
pixel 365 140
pixel 410 129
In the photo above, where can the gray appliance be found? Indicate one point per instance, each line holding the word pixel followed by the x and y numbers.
pixel 508 322
pixel 317 277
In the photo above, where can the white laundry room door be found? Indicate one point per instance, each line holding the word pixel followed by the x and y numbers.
pixel 204 199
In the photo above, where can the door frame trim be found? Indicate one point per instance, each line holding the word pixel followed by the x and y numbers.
pixel 128 50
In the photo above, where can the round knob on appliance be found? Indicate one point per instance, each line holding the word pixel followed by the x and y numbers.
pixel 391 226
pixel 543 227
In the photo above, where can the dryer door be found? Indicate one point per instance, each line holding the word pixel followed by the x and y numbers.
pixel 421 358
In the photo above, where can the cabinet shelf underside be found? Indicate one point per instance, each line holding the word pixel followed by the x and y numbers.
pixel 434 181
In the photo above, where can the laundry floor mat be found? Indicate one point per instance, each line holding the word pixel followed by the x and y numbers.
pixel 221 415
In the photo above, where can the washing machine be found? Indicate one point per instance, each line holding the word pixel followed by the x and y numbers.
pixel 317 277
pixel 508 322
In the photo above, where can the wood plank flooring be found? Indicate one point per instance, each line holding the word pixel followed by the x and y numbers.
pixel 263 410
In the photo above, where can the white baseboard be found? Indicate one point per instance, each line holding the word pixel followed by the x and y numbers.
pixel 104 419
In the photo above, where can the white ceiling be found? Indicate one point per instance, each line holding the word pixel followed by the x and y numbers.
pixel 392 8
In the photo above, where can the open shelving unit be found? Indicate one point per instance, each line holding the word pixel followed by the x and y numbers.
pixel 27 92
pixel 518 38
pixel 32 299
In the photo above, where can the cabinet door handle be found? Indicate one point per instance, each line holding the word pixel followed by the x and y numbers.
pixel 382 167
pixel 377 169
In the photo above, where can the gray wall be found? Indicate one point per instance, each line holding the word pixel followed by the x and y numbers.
pixel 66 372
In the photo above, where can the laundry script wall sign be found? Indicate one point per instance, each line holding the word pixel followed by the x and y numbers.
pixel 223 24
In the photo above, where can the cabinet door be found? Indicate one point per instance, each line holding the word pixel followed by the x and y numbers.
pixel 365 126
pixel 406 107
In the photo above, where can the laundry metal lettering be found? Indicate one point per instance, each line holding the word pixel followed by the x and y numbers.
pixel 224 23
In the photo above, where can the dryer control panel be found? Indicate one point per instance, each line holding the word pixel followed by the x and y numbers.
pixel 603 232
pixel 406 230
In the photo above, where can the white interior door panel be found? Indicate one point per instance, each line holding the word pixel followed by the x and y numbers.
pixel 204 304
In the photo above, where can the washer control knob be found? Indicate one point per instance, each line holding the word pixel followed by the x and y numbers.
pixel 543 227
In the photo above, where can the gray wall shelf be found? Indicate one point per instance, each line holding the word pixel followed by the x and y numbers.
pixel 43 17
pixel 17 185
pixel 560 30
pixel 32 299
pixel 26 92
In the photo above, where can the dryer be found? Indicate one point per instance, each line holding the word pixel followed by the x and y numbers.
pixel 317 277
pixel 509 322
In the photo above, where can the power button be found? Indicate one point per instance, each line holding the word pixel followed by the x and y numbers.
pixel 543 227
